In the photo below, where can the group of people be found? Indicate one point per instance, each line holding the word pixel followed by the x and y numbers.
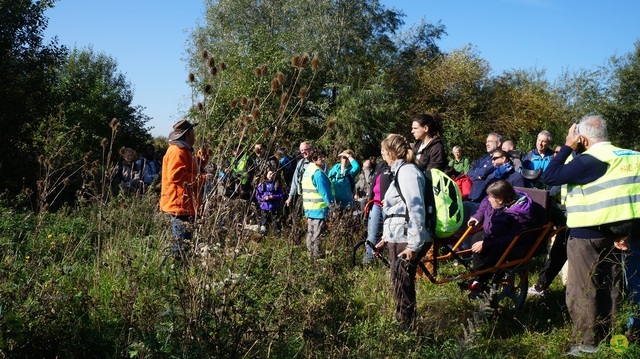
pixel 134 176
pixel 601 192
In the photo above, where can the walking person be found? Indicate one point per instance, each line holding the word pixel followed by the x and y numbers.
pixel 405 229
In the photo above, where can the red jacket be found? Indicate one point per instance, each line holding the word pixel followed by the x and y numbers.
pixel 182 180
pixel 464 183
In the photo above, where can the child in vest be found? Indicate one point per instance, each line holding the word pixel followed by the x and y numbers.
pixel 316 198
pixel 269 195
pixel 504 212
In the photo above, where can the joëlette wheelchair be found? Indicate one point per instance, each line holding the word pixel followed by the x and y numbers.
pixel 510 275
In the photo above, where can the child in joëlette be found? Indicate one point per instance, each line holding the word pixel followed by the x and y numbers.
pixel 504 212
pixel 269 196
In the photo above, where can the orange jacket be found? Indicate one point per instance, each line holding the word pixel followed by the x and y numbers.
pixel 182 180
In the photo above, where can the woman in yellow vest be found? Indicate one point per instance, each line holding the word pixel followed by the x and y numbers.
pixel 316 198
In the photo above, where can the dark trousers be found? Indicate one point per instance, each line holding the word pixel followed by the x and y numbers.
pixel 554 263
pixel 403 275
pixel 593 288
pixel 487 258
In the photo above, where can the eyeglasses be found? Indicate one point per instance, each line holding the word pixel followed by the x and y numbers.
pixel 496 158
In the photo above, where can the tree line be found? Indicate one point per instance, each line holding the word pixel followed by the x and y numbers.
pixel 246 59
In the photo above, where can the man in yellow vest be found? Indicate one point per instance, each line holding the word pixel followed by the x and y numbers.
pixel 603 191
pixel 317 196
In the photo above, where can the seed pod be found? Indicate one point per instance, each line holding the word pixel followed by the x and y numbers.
pixel 207 89
pixel 213 71
pixel 211 62
pixel 233 103
pixel 280 77
pixel 192 77
pixel 294 60
pixel 114 122
pixel 315 63
pixel 222 65
pixel 205 54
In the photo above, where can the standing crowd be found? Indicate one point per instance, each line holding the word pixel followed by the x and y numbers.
pixel 594 189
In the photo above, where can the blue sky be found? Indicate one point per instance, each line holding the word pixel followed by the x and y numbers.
pixel 148 38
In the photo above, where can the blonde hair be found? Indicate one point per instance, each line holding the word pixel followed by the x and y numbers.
pixel 398 146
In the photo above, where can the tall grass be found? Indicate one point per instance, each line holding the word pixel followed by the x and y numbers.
pixel 95 280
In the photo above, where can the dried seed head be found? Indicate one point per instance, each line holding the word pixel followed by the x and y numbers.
pixel 104 142
pixel 281 109
pixel 233 103
pixel 294 60
pixel 257 71
pixel 304 61
pixel 200 107
pixel 94 163
pixel 244 101
pixel 303 92
pixel 284 99
pixel 192 77
pixel 41 159
pixel 256 114
pixel 274 85
pixel 114 123
pixel 222 66
pixel 256 101
pixel 315 63
pixel 207 89
pixel 28 191
pixel 213 70
pixel 266 133
pixel 280 77
pixel 66 181
pixel 263 69
pixel 246 119
pixel 40 185
pixel 220 147
pixel 331 123
pixel 252 130
pixel 205 54
pixel 211 62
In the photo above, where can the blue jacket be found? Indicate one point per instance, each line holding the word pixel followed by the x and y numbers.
pixel 479 171
pixel 533 160
pixel 323 185
pixel 344 181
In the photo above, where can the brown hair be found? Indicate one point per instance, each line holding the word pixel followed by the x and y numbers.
pixel 433 120
pixel 503 191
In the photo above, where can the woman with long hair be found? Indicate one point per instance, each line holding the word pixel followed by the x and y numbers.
pixel 428 148
pixel 404 230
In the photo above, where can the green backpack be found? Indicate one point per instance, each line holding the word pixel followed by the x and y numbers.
pixel 443 203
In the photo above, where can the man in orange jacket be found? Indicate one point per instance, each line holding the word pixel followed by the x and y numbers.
pixel 182 179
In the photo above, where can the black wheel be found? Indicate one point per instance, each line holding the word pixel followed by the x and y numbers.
pixel 509 291
pixel 360 250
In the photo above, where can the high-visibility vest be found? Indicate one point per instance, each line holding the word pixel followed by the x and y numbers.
pixel 311 198
pixel 611 198
pixel 240 169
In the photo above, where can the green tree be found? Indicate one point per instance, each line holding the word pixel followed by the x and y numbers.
pixel 92 92
pixel 622 109
pixel 27 77
pixel 353 39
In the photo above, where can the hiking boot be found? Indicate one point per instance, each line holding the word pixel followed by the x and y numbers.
pixel 536 291
pixel 477 289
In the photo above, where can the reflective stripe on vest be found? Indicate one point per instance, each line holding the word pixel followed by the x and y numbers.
pixel 611 198
pixel 311 198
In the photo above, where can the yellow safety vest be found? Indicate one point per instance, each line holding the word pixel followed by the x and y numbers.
pixel 611 198
pixel 311 198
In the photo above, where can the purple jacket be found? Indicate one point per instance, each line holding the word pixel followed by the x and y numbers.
pixel 269 188
pixel 503 224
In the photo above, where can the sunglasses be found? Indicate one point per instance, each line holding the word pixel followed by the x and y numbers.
pixel 496 158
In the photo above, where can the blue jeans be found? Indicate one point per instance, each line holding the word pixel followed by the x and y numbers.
pixel 181 230
pixel 373 227
pixel 632 275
